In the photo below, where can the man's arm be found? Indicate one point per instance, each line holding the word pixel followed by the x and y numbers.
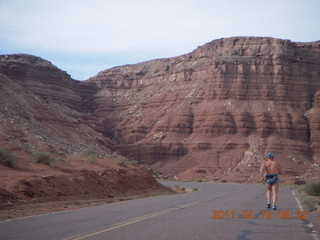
pixel 262 170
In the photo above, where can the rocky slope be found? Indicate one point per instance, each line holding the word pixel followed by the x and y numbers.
pixel 43 109
pixel 39 188
pixel 215 113
pixel 107 182
pixel 211 114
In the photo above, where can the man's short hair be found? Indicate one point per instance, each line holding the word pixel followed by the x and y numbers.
pixel 270 155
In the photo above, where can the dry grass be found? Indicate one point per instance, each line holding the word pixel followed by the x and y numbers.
pixel 6 157
pixel 42 157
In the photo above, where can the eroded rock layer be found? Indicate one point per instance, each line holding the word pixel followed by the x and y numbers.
pixel 43 109
pixel 216 112
pixel 213 113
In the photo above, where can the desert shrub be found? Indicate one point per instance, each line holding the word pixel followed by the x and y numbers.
pixel 43 157
pixel 313 189
pixel 123 161
pixel 89 151
pixel 196 180
pixel 310 202
pixel 134 162
pixel 222 181
pixel 180 188
pixel 92 159
pixel 91 155
pixel 194 189
pixel 6 157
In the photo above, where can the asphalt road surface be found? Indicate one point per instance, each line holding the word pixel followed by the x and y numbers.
pixel 216 211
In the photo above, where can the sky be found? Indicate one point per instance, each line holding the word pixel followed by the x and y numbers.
pixel 84 37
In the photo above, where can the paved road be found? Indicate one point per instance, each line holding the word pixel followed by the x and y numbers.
pixel 240 215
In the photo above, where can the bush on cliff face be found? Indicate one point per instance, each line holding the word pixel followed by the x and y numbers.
pixel 123 161
pixel 42 157
pixel 6 157
pixel 90 155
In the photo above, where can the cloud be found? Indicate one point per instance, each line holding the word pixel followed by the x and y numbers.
pixel 145 29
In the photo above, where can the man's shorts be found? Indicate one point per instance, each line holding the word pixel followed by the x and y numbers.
pixel 272 179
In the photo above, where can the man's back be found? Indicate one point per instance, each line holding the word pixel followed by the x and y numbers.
pixel 272 167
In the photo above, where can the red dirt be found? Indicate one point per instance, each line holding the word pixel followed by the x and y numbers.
pixel 33 188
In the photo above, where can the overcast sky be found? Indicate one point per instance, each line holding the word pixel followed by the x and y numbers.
pixel 84 37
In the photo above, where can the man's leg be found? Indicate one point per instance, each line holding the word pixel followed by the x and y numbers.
pixel 269 189
pixel 275 191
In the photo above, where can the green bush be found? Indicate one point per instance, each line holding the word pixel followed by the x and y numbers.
pixel 89 152
pixel 134 162
pixel 90 155
pixel 92 159
pixel 313 189
pixel 182 189
pixel 310 202
pixel 6 157
pixel 123 161
pixel 43 157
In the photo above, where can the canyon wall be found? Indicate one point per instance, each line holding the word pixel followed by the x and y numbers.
pixel 214 113
pixel 211 114
pixel 43 109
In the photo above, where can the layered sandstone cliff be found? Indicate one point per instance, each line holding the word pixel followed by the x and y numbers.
pixel 216 112
pixel 213 113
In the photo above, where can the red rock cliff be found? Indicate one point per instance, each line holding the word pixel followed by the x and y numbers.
pixel 213 113
pixel 216 112
pixel 43 109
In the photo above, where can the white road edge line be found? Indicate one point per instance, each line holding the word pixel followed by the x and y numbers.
pixel 314 234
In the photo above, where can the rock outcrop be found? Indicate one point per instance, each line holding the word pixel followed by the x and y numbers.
pixel 216 112
pixel 213 113
pixel 43 109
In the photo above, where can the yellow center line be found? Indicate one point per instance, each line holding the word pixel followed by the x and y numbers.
pixel 138 219
pixel 125 223
pixel 122 224
pixel 188 204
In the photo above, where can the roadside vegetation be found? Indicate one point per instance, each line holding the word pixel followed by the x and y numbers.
pixel 313 189
pixel 310 195
pixel 198 180
pixel 194 189
pixel 91 156
pixel 7 158
pixel 42 157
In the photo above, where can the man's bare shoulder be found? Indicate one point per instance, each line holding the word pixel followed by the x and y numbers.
pixel 263 164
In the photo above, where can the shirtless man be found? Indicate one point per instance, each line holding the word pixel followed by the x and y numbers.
pixel 273 169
